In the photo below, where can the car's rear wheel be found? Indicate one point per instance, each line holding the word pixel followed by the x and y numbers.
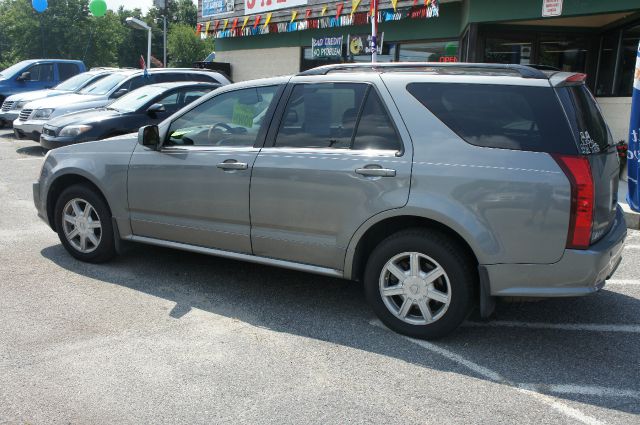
pixel 420 283
pixel 83 222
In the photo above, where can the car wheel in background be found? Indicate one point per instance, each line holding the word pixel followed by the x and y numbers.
pixel 420 283
pixel 83 222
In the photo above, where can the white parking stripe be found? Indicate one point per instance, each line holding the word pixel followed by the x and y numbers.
pixel 582 390
pixel 622 282
pixel 496 377
pixel 594 327
pixel 632 247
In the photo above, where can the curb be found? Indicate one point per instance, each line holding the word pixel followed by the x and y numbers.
pixel 631 217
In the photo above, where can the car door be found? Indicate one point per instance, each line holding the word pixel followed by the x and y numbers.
pixel 195 188
pixel 335 157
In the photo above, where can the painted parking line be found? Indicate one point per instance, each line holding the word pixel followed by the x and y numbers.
pixel 591 327
pixel 494 376
pixel 632 247
pixel 615 282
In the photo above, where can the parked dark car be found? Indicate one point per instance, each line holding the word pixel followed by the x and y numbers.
pixel 146 105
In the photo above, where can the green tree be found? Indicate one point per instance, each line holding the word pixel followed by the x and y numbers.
pixel 185 47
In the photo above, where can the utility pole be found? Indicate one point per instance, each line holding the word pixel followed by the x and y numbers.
pixel 166 13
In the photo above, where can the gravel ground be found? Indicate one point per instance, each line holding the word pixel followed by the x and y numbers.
pixel 162 336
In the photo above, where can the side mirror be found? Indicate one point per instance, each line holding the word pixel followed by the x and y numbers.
pixel 25 76
pixel 156 108
pixel 119 93
pixel 149 135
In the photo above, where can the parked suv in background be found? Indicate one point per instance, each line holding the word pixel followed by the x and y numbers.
pixel 36 74
pixel 12 106
pixel 35 114
pixel 441 186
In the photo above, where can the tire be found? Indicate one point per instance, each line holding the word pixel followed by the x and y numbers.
pixel 452 292
pixel 72 203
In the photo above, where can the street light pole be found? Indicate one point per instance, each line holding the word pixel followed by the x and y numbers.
pixel 164 61
pixel 141 25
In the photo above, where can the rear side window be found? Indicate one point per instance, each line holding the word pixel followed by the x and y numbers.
pixel 201 77
pixel 168 77
pixel 67 70
pixel 586 119
pixel 500 116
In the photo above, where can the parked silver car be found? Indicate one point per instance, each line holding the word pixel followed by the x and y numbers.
pixel 441 186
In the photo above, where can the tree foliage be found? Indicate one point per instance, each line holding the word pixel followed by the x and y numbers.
pixel 67 30
pixel 185 47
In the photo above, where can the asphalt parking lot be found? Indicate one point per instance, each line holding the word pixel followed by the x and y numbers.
pixel 162 336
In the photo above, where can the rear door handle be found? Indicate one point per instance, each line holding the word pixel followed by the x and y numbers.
pixel 233 165
pixel 376 172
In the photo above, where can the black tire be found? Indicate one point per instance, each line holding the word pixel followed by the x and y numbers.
pixel 460 271
pixel 105 249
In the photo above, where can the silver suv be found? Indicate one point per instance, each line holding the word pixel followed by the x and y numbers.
pixel 440 186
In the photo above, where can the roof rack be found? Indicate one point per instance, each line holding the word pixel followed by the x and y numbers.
pixel 444 67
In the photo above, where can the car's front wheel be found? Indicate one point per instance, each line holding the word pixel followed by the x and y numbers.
pixel 83 222
pixel 420 283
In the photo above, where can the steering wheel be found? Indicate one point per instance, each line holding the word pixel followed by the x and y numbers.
pixel 220 125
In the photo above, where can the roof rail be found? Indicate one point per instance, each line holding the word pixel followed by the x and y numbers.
pixel 522 70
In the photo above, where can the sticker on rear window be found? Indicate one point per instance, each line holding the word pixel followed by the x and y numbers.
pixel 587 144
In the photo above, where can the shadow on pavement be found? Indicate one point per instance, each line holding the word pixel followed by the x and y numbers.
pixel 335 311
pixel 31 151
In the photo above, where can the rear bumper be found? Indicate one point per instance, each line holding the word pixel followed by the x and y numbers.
pixel 579 272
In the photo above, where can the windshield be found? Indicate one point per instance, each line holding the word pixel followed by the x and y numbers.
pixel 13 69
pixel 104 85
pixel 136 99
pixel 75 82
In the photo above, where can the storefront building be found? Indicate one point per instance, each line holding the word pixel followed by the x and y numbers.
pixel 261 38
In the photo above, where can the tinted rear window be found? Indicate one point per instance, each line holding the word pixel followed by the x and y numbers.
pixel 500 116
pixel 586 119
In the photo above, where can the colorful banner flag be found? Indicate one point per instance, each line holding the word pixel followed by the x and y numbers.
pixel 206 29
pixel 307 14
pixel 198 29
pixel 235 23
pixel 226 22
pixel 633 196
pixel 244 24
pixel 257 22
pixel 339 10
pixel 394 3
pixel 293 15
pixel 266 21
pixel 324 10
pixel 354 6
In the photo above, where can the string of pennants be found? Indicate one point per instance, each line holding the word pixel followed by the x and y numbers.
pixel 255 25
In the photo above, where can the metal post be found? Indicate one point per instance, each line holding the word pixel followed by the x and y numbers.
pixel 374 31
pixel 164 61
pixel 149 49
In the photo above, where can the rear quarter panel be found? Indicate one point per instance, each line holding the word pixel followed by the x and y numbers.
pixel 510 206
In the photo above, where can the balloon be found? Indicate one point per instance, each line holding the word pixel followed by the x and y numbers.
pixel 39 5
pixel 98 7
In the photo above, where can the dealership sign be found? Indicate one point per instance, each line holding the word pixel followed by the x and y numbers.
pixel 327 47
pixel 551 8
pixel 216 7
pixel 259 6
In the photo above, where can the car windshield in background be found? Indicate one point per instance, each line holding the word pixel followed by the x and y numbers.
pixel 75 82
pixel 12 70
pixel 500 116
pixel 136 99
pixel 105 85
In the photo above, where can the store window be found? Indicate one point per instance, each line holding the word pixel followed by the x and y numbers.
pixel 500 50
pixel 568 55
pixel 431 51
pixel 629 49
pixel 608 55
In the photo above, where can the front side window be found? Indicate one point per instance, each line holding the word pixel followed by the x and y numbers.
pixel 229 119
pixel 375 129
pixel 321 115
pixel 42 72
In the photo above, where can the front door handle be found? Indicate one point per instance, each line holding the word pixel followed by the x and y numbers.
pixel 376 172
pixel 233 165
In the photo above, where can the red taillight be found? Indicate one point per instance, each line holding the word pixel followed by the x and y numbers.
pixel 578 171
pixel 576 78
